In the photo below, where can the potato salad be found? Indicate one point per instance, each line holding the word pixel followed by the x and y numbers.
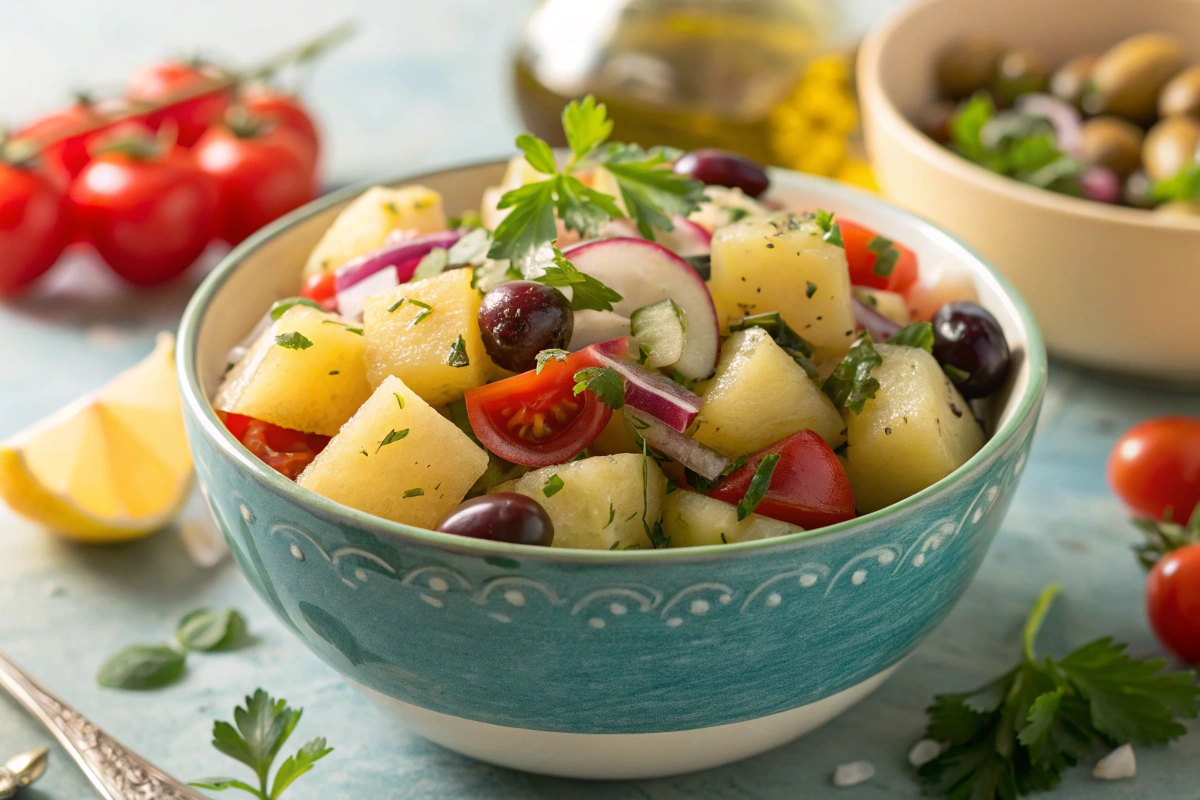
pixel 621 349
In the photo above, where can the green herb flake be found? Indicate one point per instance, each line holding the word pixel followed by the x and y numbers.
pixel 886 255
pixel 759 485
pixel 831 230
pixel 348 328
pixel 425 311
pixel 810 290
pixel 553 485
pixel 334 372
pixel 604 382
pixel 399 400
pixel 458 354
pixel 414 493
pixel 612 514
pixel 547 355
pixel 914 334
pixel 281 307
pixel 851 385
pixel 723 539
pixel 671 486
pixel 396 304
pixel 293 341
pixel 683 380
pixel 393 436
pixel 792 343
pixel 955 374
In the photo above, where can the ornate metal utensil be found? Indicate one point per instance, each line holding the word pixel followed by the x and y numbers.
pixel 115 772
pixel 22 770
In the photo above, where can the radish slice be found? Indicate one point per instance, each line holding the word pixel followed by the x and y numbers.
pixel 644 273
pixel 404 255
pixel 649 390
pixel 352 299
pixel 596 326
pixel 662 329
pixel 687 239
pixel 699 458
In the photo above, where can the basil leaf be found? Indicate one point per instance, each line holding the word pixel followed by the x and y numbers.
pixel 914 334
pixel 851 385
pixel 294 340
pixel 142 666
pixel 759 485
pixel 208 629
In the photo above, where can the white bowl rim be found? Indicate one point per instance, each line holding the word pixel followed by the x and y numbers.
pixel 870 55
pixel 209 425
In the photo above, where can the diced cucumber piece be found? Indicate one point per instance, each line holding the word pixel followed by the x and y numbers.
pixel 661 329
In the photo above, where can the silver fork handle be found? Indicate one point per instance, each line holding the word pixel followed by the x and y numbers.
pixel 115 772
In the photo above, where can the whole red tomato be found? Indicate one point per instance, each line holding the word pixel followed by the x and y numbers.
pixel 1173 602
pixel 148 210
pixel 288 112
pixel 157 83
pixel 70 153
pixel 1155 466
pixel 33 224
pixel 263 171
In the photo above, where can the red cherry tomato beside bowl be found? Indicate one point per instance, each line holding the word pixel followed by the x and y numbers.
pixel 288 113
pixel 1155 466
pixel 156 83
pixel 1173 602
pixel 33 224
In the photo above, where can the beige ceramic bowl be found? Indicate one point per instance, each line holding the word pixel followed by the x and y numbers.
pixel 1113 288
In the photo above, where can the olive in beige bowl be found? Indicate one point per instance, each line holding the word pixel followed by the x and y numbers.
pixel 1112 288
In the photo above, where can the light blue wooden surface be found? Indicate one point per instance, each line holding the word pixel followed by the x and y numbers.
pixel 426 85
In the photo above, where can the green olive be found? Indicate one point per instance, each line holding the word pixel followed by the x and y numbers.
pixel 1019 71
pixel 1112 142
pixel 1126 80
pixel 1181 95
pixel 1180 208
pixel 1170 146
pixel 1069 81
pixel 1139 190
pixel 967 66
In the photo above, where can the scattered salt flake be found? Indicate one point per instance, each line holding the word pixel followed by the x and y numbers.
pixel 924 751
pixel 853 774
pixel 52 589
pixel 1117 765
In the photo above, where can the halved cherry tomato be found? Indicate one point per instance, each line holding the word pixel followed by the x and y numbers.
pixel 1155 466
pixel 284 450
pixel 321 287
pixel 808 488
pixel 33 224
pixel 155 83
pixel 862 261
pixel 537 419
pixel 289 113
pixel 1173 602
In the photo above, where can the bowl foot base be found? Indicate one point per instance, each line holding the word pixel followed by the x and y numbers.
pixel 627 755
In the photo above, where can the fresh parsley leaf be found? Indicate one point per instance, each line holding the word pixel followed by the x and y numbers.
pixel 586 291
pixel 604 382
pixel 413 493
pixel 529 226
pixel 851 385
pixel 458 354
pixel 652 191
pixel 955 374
pixel 810 290
pixel 586 125
pixel 537 153
pixel 792 343
pixel 582 208
pixel 886 255
pixel 759 485
pixel 280 307
pixel 142 666
pixel 293 341
pixel 914 334
pixel 831 230
pixel 208 629
pixel 393 436
pixel 221 784
pixel 300 764
pixel 553 485
pixel 432 264
pixel 547 355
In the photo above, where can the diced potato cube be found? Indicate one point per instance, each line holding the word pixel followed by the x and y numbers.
pixel 602 502
pixel 692 519
pixel 760 395
pixel 399 459
pixel 890 305
pixel 916 431
pixel 314 389
pixel 614 438
pixel 365 223
pixel 415 343
pixel 782 264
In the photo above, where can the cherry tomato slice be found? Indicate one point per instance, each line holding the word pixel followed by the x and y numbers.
pixel 537 419
pixel 320 287
pixel 808 488
pixel 284 450
pixel 1173 602
pixel 1155 466
pixel 862 261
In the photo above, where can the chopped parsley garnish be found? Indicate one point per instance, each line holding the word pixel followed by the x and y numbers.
pixel 458 354
pixel 553 485
pixel 851 385
pixel 280 307
pixel 414 493
pixel 396 304
pixel 759 485
pixel 546 355
pixel 604 382
pixel 399 400
pixel 914 334
pixel 612 514
pixel 432 264
pixel 393 436
pixel 886 255
pixel 654 532
pixel 348 328
pixel 425 311
pixel 293 341
pixel 587 293
pixel 955 374
pixel 723 539
pixel 810 290
pixel 334 372
pixel 736 213
pixel 792 343
pixel 832 231
pixel 1019 733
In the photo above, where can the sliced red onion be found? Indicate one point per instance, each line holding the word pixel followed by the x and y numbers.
pixel 1068 126
pixel 699 458
pixel 870 320
pixel 352 299
pixel 404 255
pixel 1100 184
pixel 649 390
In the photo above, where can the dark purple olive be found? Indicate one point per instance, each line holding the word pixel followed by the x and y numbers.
pixel 968 339
pixel 501 517
pixel 520 319
pixel 724 168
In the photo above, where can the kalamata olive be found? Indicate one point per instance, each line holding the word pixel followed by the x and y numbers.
pixel 724 168
pixel 1170 146
pixel 1112 142
pixel 968 338
pixel 1181 95
pixel 967 66
pixel 935 118
pixel 1070 81
pixel 1127 79
pixel 1100 184
pixel 1139 190
pixel 501 517
pixel 1180 208
pixel 1019 71
pixel 519 319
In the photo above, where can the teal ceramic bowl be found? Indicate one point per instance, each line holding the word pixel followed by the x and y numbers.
pixel 602 664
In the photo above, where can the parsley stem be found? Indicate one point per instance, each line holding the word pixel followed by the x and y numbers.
pixel 1034 624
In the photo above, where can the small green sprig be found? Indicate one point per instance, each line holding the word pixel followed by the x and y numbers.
pixel 604 382
pixel 851 384
pixel 263 727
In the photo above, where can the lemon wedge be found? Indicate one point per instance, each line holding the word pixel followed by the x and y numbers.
pixel 112 466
